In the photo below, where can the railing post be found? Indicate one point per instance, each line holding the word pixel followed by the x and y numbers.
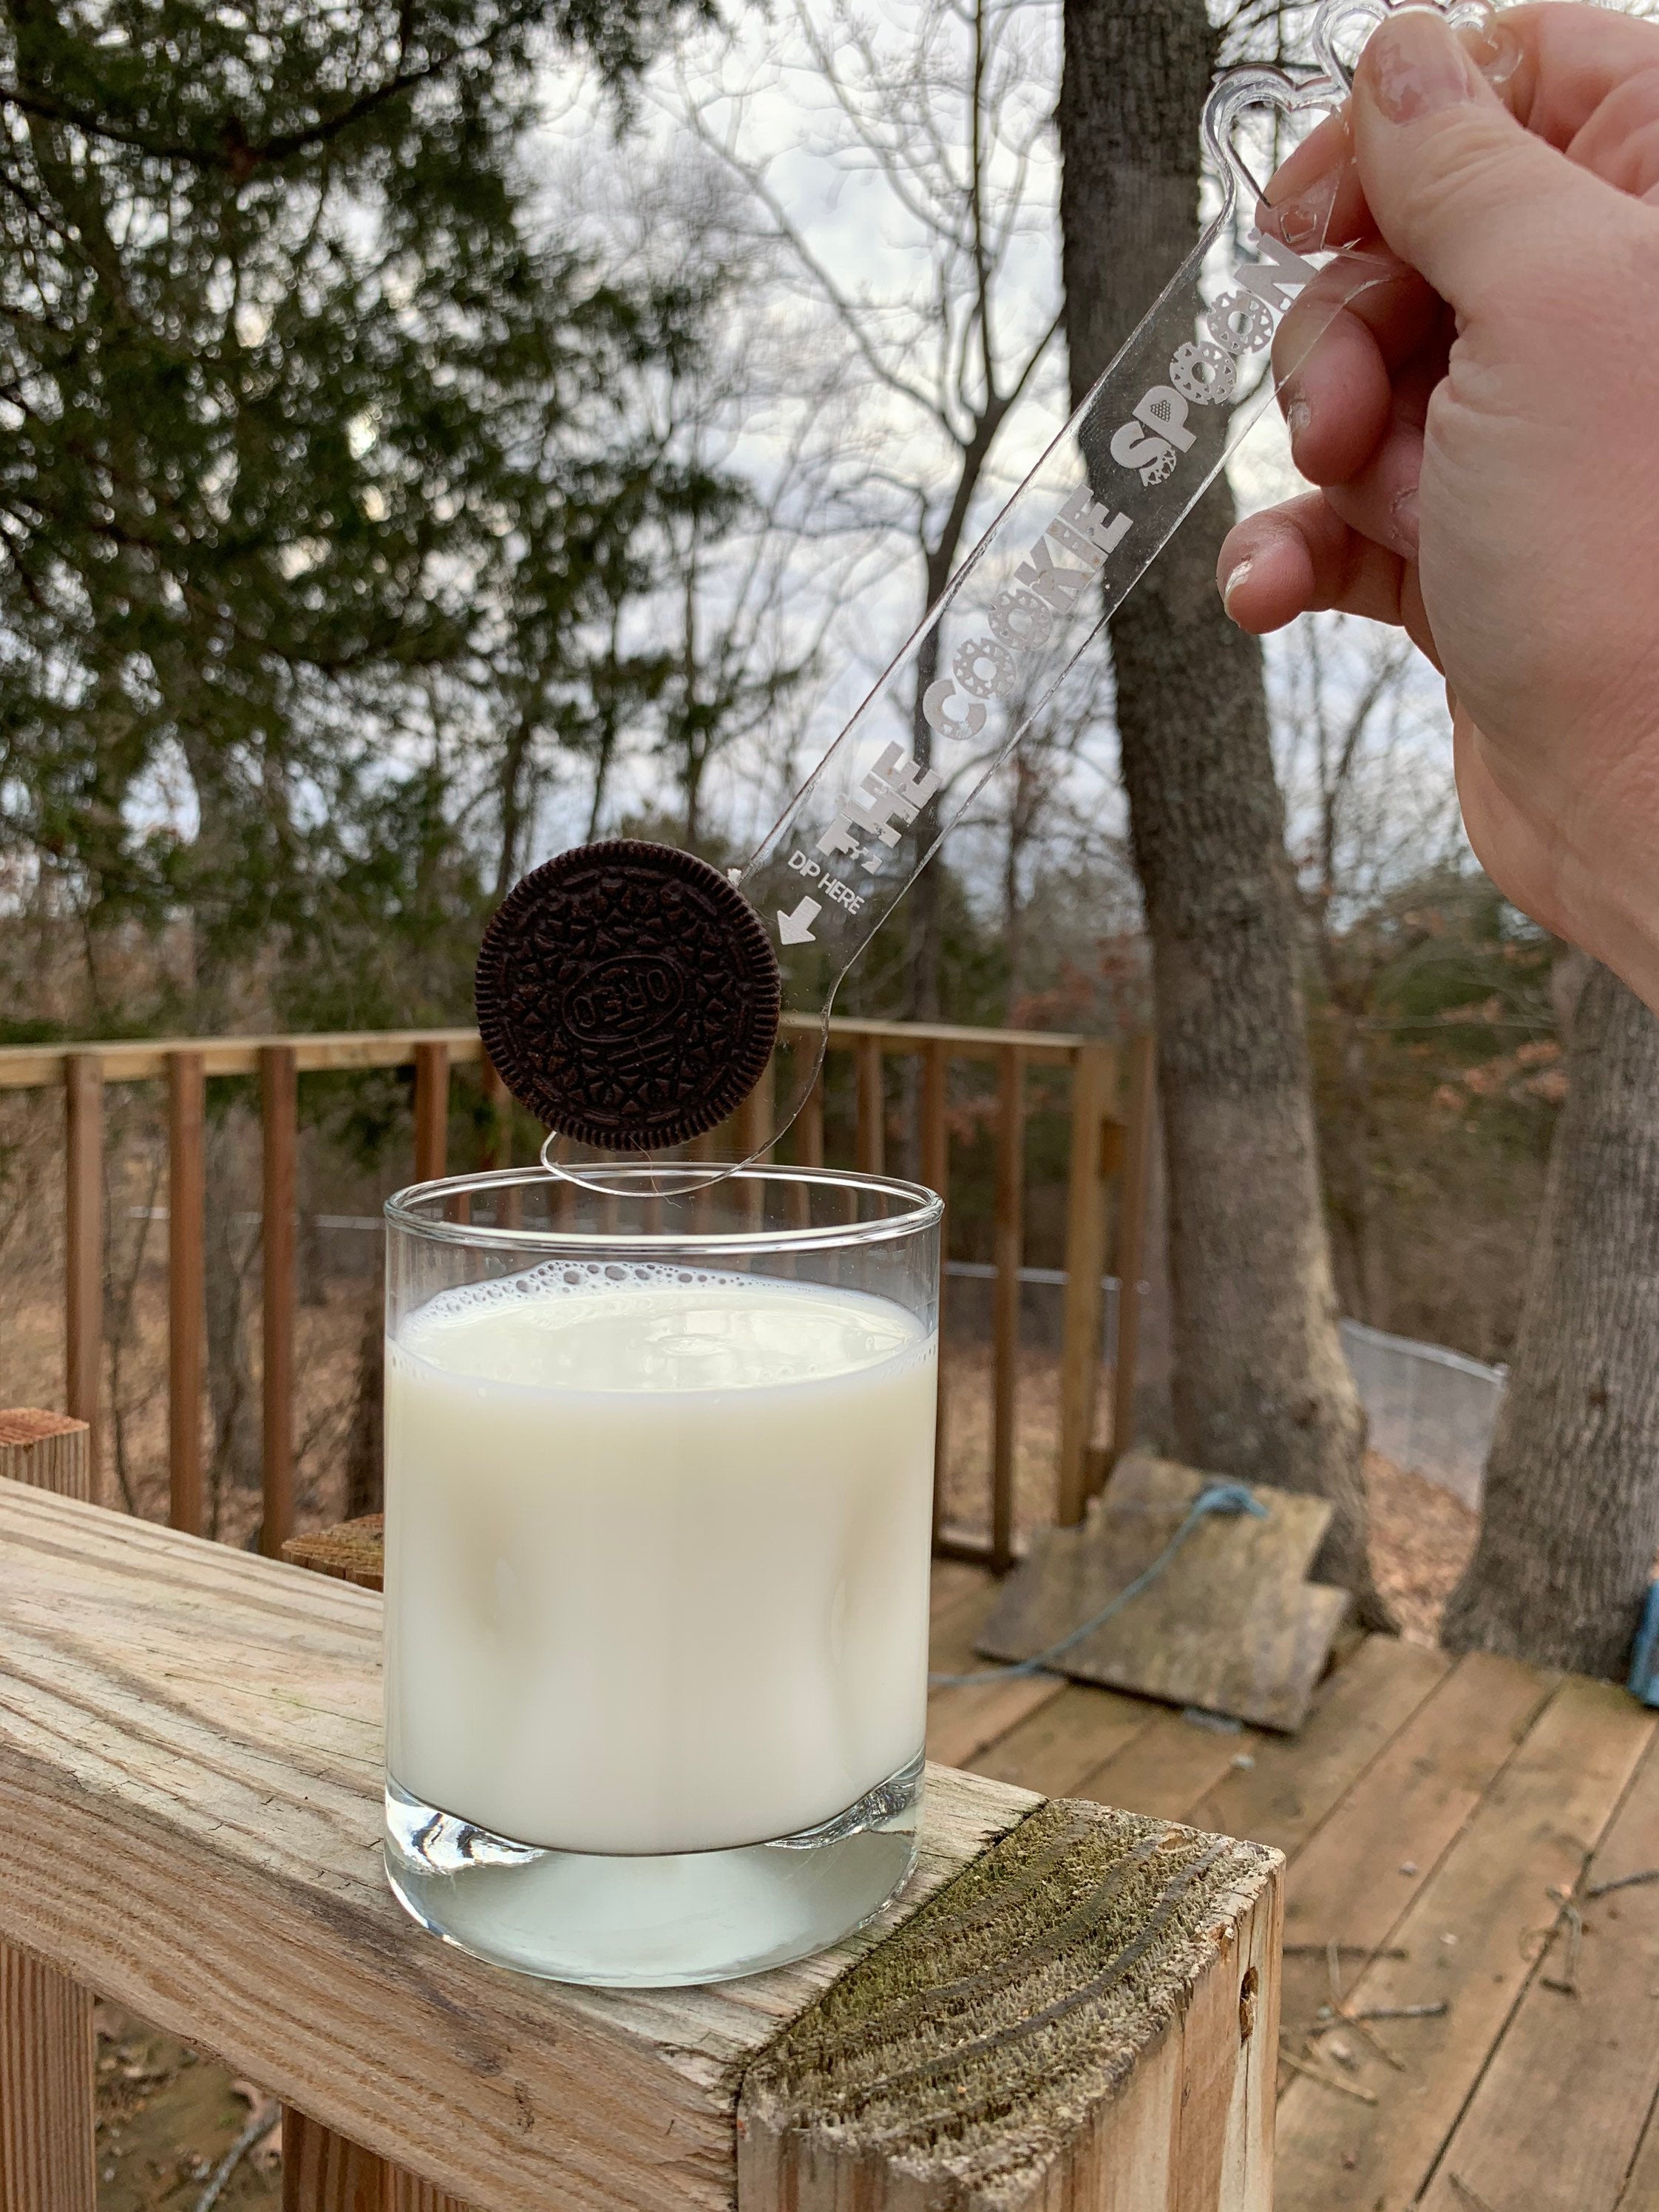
pixel 870 1141
pixel 83 1286
pixel 754 1130
pixel 1138 1106
pixel 809 1122
pixel 431 1111
pixel 756 1115
pixel 1009 1252
pixel 498 1144
pixel 47 2149
pixel 322 2170
pixel 934 1152
pixel 1093 1085
pixel 186 1284
pixel 279 1113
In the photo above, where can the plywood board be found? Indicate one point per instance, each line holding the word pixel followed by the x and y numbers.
pixel 1230 1624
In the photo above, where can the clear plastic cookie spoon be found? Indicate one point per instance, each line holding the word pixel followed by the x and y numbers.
pixel 1242 316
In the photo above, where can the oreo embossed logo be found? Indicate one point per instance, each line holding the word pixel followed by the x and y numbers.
pixel 628 995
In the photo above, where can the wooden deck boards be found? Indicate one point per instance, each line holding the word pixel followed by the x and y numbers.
pixel 1428 1807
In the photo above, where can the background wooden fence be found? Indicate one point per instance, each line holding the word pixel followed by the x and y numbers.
pixel 1109 1105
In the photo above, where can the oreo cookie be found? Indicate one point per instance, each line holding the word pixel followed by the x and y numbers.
pixel 628 995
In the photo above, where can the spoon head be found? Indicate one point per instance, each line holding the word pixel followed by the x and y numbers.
pixel 628 995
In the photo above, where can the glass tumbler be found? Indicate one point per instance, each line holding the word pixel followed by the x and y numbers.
pixel 658 1473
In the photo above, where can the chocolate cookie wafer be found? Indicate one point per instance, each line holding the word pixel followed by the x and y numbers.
pixel 628 995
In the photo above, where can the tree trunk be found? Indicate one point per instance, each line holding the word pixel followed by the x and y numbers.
pixel 1260 1388
pixel 1571 1521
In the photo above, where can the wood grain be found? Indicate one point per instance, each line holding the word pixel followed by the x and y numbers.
pixel 47 2151
pixel 83 1262
pixel 323 2172
pixel 1094 1083
pixel 1008 1250
pixel 279 1137
pixel 49 1451
pixel 1547 1810
pixel 1083 2018
pixel 208 1723
pixel 351 1551
pixel 46 2088
pixel 186 1285
pixel 1229 1624
pixel 406 2192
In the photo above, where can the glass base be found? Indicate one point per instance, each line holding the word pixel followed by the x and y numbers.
pixel 652 1922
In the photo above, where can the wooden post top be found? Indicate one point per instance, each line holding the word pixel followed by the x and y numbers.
pixel 26 1424
pixel 190 1785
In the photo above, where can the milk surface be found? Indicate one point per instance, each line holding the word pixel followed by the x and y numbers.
pixel 657 1554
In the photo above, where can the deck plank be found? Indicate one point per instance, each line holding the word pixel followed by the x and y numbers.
pixel 1358 1878
pixel 1168 1766
pixel 962 1722
pixel 1547 1808
pixel 1298 1780
pixel 954 1581
pixel 1067 1739
pixel 1558 2116
pixel 1641 2190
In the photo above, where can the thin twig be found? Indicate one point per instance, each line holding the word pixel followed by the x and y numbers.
pixel 1623 1881
pixel 1317 2074
pixel 1342 1950
pixel 1435 2011
pixel 264 2119
pixel 1570 1917
pixel 1472 2198
pixel 1333 1974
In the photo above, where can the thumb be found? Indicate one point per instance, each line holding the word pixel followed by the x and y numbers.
pixel 1457 187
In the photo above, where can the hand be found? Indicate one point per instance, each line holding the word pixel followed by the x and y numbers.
pixel 1485 433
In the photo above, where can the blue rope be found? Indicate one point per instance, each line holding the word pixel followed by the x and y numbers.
pixel 1215 1497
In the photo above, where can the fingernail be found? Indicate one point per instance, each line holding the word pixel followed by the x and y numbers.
pixel 1403 515
pixel 1235 576
pixel 1412 66
pixel 1298 416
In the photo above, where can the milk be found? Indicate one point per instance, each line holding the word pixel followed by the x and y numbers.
pixel 657 1554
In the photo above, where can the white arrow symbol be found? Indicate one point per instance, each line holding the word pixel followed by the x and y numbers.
pixel 797 928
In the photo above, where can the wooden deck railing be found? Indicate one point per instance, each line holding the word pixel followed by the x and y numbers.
pixel 1110 1106
pixel 1069 2005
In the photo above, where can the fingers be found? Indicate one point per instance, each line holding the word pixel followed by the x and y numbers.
pixel 1314 198
pixel 1302 558
pixel 1457 186
pixel 1290 560
pixel 1584 81
pixel 1336 367
pixel 1570 61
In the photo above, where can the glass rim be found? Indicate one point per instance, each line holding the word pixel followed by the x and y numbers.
pixel 925 1209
